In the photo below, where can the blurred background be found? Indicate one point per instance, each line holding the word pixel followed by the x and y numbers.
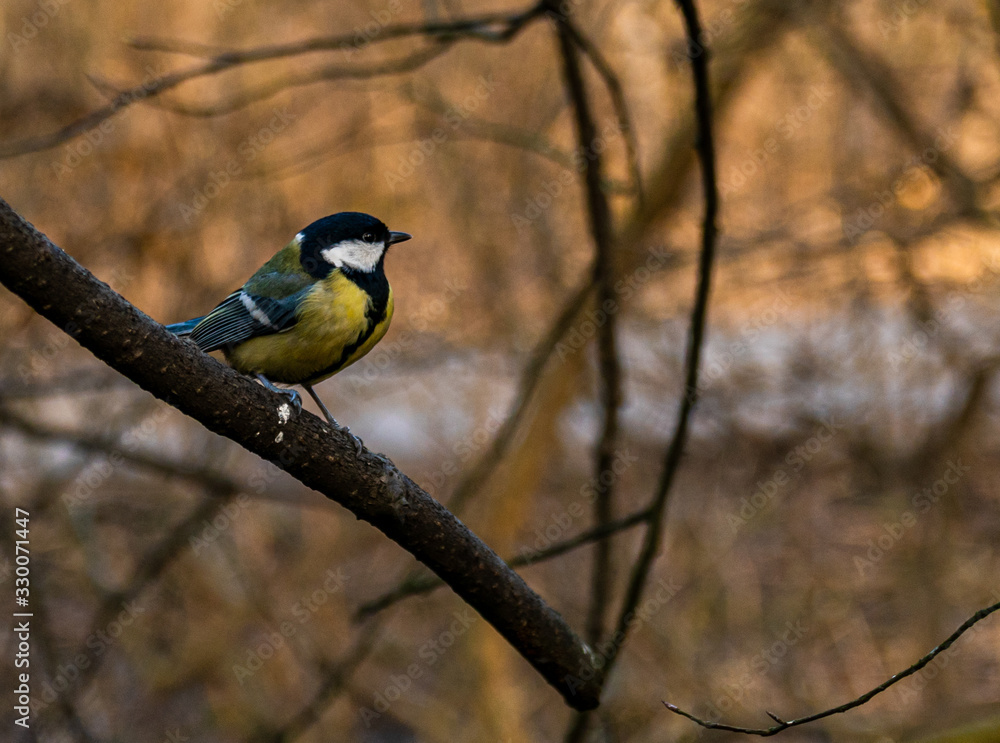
pixel 835 516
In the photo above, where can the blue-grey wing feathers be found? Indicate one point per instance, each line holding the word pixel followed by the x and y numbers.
pixel 183 329
pixel 240 317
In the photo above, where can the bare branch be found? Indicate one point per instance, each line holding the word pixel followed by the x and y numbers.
pixel 493 28
pixel 485 466
pixel 329 73
pixel 617 93
pixel 335 679
pixel 696 332
pixel 530 378
pixel 868 75
pixel 322 458
pixel 421 583
pixel 599 214
pixel 486 27
pixel 863 699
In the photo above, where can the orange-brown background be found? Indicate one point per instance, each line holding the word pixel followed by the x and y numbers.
pixel 852 321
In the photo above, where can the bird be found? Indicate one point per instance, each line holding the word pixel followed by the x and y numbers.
pixel 317 306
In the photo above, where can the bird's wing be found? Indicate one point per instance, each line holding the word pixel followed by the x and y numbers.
pixel 266 304
pixel 244 315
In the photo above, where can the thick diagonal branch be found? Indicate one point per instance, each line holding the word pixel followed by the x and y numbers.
pixel 231 405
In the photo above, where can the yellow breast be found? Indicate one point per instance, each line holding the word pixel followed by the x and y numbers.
pixel 335 328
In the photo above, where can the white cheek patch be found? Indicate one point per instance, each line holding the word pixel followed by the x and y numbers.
pixel 356 254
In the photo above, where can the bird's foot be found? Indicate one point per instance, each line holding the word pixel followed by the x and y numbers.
pixel 358 445
pixel 294 398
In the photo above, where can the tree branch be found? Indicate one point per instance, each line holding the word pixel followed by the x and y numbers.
pixel 617 93
pixel 863 699
pixel 492 28
pixel 599 215
pixel 328 73
pixel 420 583
pixel 234 406
pixel 696 333
pixel 531 377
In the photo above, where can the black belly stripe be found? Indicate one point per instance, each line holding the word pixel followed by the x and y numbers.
pixel 346 353
pixel 375 312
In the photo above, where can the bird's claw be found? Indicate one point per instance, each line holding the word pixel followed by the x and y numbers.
pixel 294 398
pixel 358 445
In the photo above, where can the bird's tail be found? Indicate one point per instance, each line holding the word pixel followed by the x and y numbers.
pixel 183 329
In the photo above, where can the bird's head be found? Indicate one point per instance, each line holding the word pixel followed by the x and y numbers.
pixel 350 240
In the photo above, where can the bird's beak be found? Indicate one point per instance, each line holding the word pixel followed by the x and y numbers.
pixel 398 237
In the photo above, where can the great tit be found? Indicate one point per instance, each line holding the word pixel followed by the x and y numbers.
pixel 320 304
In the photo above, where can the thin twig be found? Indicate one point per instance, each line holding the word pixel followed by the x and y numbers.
pixel 330 73
pixel 696 335
pixel 599 217
pixel 489 27
pixel 335 679
pixel 863 699
pixel 485 466
pixel 868 74
pixel 530 379
pixel 422 583
pixel 617 93
pixel 492 28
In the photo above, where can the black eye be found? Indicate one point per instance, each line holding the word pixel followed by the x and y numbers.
pixel 368 237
